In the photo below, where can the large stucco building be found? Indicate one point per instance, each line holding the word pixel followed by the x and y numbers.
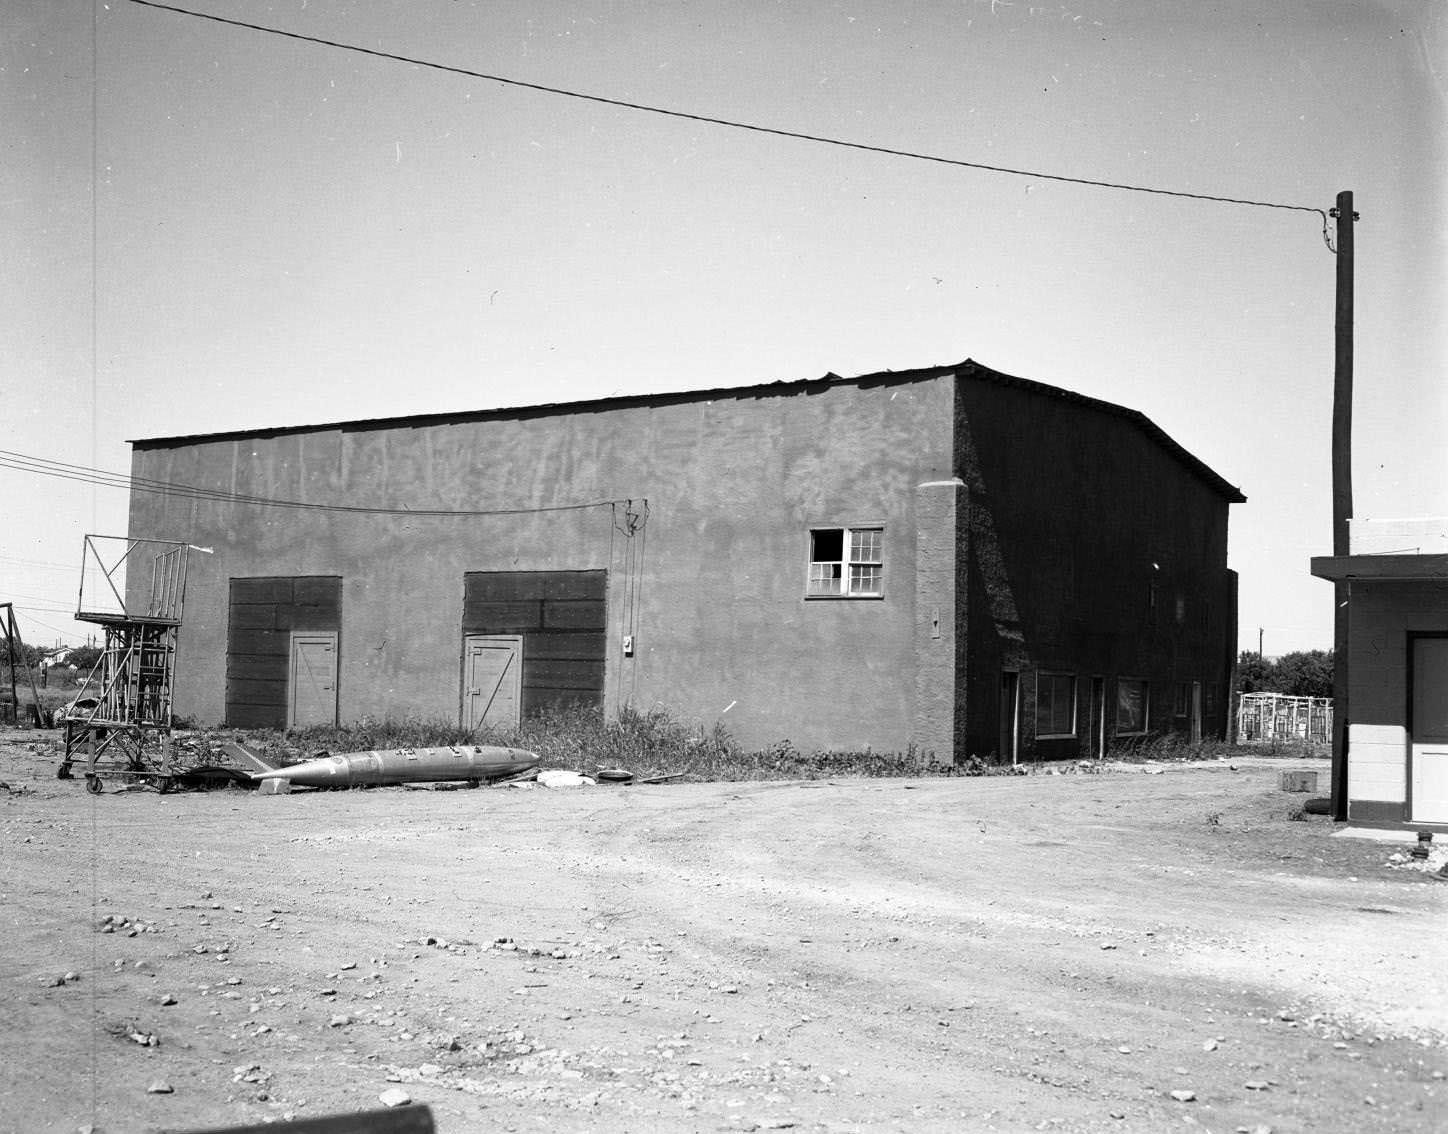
pixel 949 558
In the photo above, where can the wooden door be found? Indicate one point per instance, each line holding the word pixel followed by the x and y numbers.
pixel 492 680
pixel 1428 728
pixel 312 683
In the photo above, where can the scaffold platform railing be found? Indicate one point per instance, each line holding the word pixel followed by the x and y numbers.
pixel 135 590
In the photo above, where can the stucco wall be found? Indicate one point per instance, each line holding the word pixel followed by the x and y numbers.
pixel 711 585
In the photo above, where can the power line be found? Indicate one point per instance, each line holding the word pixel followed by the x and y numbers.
pixel 49 600
pixel 38 622
pixel 734 124
pixel 49 608
pixel 44 564
pixel 22 462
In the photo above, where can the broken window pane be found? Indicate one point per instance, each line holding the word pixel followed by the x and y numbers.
pixel 827 544
pixel 825 578
pixel 827 570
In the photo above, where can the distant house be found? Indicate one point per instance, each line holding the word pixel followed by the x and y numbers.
pixel 949 558
pixel 1396 757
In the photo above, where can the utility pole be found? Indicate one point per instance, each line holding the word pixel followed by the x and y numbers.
pixel 1259 643
pixel 1341 494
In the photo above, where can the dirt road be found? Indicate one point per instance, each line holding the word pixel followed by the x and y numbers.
pixel 1043 952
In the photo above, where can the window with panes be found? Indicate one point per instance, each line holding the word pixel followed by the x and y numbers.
pixel 1055 705
pixel 846 563
pixel 1133 703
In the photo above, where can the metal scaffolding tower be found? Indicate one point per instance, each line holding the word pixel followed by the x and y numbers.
pixel 134 589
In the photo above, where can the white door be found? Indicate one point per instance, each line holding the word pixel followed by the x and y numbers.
pixel 492 680
pixel 312 685
pixel 1428 729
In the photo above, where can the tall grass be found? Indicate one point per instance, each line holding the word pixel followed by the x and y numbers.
pixel 648 744
pixel 1180 747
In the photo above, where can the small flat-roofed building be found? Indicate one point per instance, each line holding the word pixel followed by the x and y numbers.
pixel 1396 758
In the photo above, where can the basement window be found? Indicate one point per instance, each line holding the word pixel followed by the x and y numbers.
pixel 1132 705
pixel 846 563
pixel 1055 706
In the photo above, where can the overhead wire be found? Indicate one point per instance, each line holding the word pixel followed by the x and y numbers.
pixel 37 621
pixel 43 564
pixel 734 124
pixel 47 609
pixel 43 466
pixel 49 600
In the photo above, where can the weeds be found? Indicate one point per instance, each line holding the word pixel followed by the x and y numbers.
pixel 1176 748
pixel 1169 747
pixel 648 744
pixel 655 743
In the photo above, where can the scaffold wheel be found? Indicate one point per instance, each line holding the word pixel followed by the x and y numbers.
pixel 93 784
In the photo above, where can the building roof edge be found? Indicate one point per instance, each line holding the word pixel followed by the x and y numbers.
pixel 967 368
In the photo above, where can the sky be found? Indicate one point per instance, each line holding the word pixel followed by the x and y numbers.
pixel 209 228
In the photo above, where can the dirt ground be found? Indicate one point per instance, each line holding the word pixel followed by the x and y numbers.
pixel 1052 952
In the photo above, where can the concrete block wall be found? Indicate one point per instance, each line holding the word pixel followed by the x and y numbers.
pixel 1378 768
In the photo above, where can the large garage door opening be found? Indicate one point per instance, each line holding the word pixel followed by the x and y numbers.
pixel 557 621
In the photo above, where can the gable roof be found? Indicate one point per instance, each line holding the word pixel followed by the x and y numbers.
pixel 969 368
pixel 1156 433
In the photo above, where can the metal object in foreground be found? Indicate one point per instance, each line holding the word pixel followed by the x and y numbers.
pixel 402 1120
pixel 406 765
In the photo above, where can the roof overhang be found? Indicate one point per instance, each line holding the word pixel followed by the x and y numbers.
pixel 1381 568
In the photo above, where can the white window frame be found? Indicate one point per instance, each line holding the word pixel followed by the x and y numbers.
pixel 1145 707
pixel 1075 704
pixel 847 562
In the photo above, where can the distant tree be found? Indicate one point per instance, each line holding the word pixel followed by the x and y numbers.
pixel 83 658
pixel 34 655
pixel 1304 673
pixel 29 655
pixel 1255 674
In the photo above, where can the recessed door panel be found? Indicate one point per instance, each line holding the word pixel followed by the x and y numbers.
pixel 492 680
pixel 312 685
pixel 1428 729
